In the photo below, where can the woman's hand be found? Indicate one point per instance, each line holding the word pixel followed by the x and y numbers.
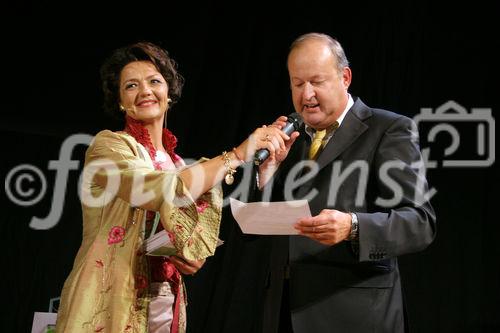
pixel 269 167
pixel 282 154
pixel 200 177
pixel 271 138
pixel 188 267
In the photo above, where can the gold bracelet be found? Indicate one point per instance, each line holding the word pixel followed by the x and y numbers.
pixel 229 179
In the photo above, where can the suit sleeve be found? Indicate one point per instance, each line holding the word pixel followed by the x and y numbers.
pixel 404 221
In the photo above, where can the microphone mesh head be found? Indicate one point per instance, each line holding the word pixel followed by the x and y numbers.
pixel 296 119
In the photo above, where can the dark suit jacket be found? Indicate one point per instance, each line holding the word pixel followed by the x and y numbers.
pixel 373 156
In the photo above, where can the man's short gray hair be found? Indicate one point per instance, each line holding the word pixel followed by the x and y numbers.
pixel 332 44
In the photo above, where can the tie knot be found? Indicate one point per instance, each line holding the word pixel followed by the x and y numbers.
pixel 319 135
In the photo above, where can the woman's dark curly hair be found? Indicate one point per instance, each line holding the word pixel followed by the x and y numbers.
pixel 142 51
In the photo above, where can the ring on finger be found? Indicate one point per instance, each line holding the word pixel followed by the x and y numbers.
pixel 267 138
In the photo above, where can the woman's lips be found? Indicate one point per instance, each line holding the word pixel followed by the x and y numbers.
pixel 146 103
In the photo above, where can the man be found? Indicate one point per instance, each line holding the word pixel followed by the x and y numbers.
pixel 366 190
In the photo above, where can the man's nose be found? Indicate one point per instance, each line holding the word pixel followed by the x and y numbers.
pixel 308 92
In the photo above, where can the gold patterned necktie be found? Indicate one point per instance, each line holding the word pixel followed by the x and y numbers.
pixel 316 144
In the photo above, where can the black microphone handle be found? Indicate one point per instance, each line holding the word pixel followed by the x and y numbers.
pixel 262 154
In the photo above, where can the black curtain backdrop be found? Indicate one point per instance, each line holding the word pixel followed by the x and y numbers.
pixel 404 57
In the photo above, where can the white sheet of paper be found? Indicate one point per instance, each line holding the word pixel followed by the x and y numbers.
pixel 269 218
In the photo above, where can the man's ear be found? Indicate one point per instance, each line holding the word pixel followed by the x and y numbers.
pixel 346 76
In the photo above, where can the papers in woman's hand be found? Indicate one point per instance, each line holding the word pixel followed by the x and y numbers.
pixel 269 218
pixel 160 245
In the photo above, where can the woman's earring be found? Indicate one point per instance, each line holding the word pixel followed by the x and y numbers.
pixel 169 100
pixel 122 108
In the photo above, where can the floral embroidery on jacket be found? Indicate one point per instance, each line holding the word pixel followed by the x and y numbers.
pixel 201 205
pixel 116 235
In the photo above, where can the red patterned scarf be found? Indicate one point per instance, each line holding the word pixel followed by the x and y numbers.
pixel 162 268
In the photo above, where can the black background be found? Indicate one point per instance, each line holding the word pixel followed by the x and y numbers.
pixel 404 57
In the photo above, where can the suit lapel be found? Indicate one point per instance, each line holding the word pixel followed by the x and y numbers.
pixel 351 128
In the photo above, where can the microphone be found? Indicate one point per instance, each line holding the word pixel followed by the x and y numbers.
pixel 293 123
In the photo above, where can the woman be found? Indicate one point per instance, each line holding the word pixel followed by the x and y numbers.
pixel 132 179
